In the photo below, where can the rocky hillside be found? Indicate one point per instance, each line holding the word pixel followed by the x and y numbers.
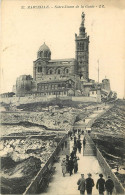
pixel 108 132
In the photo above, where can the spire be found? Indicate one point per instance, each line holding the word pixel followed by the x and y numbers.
pixel 82 28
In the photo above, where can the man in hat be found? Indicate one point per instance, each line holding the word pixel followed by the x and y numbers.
pixel 100 185
pixel 81 184
pixel 109 185
pixel 89 184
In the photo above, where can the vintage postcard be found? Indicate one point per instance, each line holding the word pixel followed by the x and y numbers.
pixel 62 97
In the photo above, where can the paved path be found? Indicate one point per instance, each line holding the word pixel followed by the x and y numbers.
pixel 67 185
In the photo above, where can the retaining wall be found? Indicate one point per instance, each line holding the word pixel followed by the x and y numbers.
pixel 85 99
pixel 33 99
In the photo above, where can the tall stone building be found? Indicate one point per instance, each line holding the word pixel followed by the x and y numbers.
pixel 61 77
pixel 43 65
pixel 82 51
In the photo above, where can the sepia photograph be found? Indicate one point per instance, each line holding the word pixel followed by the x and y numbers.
pixel 62 97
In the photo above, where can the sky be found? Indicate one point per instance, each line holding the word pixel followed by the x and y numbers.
pixel 25 30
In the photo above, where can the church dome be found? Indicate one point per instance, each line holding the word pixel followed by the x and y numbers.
pixel 44 52
pixel 44 47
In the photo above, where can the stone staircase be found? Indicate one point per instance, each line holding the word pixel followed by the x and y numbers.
pixel 89 149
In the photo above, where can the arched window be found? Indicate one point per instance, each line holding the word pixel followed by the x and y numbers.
pixel 48 54
pixel 45 54
pixel 50 71
pixel 58 71
pixel 67 71
pixel 41 54
pixel 82 46
pixel 78 46
pixel 39 69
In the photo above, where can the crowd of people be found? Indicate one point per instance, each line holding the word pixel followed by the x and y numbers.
pixel 101 185
pixel 70 162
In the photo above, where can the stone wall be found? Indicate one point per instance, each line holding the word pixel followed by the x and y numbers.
pixel 32 99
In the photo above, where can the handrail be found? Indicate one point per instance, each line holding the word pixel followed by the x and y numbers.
pixel 32 187
pixel 107 169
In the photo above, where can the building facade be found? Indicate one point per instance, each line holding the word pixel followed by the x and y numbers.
pixel 58 77
pixel 82 51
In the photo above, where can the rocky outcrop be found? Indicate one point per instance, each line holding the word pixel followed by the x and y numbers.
pixel 16 176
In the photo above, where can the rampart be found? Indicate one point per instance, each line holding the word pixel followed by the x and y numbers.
pixel 33 99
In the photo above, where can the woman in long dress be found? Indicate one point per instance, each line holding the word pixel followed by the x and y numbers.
pixel 63 164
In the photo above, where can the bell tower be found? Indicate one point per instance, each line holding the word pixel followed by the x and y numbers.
pixel 82 51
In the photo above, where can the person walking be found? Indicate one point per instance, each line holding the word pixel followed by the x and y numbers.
pixel 84 142
pixel 79 146
pixel 74 140
pixel 72 154
pixel 75 149
pixel 71 166
pixel 75 164
pixel 81 184
pixel 67 163
pixel 100 185
pixel 62 146
pixel 109 185
pixel 63 164
pixel 89 184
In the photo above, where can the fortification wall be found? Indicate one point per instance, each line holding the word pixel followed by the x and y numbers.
pixel 33 99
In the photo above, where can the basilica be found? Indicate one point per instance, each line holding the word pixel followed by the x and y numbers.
pixel 61 77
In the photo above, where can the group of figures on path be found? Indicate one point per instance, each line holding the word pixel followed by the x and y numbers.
pixel 70 162
pixel 101 185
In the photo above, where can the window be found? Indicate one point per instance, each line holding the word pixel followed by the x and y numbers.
pixel 82 46
pixel 45 54
pixel 78 46
pixel 58 71
pixel 39 69
pixel 67 71
pixel 46 86
pixel 41 54
pixel 50 72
